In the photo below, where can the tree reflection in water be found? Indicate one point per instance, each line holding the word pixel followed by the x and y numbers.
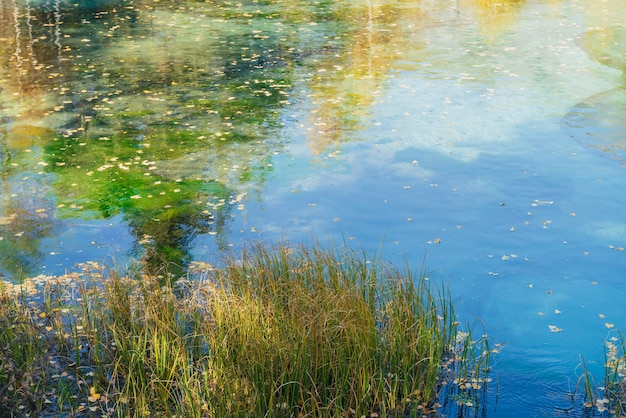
pixel 170 114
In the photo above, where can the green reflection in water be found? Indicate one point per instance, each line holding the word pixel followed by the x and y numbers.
pixel 600 120
pixel 161 92
pixel 607 45
pixel 168 114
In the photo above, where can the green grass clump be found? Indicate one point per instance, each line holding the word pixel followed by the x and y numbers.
pixel 281 332
pixel 611 396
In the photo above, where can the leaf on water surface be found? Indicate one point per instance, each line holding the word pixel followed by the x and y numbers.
pixel 601 404
pixel 609 325
pixel 554 328
pixel 556 311
pixel 602 315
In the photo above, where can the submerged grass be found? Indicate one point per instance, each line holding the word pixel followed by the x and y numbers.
pixel 280 332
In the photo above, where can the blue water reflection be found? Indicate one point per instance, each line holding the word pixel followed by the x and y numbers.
pixel 527 232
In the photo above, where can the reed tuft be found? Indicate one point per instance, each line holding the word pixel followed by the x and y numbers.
pixel 284 331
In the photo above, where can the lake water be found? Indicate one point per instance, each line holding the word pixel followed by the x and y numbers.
pixel 485 139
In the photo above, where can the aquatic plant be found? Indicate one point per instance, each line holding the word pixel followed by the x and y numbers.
pixel 279 331
pixel 611 396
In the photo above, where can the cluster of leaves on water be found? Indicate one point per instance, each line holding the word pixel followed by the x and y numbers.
pixel 285 331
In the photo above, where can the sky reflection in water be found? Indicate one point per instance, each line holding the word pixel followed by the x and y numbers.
pixel 485 138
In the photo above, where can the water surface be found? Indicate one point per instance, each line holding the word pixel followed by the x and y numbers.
pixel 485 139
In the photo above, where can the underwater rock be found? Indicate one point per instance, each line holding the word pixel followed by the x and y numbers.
pixel 600 122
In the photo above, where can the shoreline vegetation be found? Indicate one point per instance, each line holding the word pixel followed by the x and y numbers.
pixel 284 331
pixel 609 397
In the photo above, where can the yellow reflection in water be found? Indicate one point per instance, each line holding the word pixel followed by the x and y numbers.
pixel 605 39
pixel 495 16
pixel 20 137
pixel 347 83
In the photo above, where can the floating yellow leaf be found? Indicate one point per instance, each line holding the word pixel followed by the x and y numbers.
pixel 93 395
pixel 609 325
pixel 554 328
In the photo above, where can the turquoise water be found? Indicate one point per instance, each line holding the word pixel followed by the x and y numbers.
pixel 483 139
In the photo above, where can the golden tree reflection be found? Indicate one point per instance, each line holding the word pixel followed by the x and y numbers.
pixel 348 79
pixel 29 87
pixel 495 16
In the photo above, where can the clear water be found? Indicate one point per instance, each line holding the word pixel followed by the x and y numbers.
pixel 485 139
